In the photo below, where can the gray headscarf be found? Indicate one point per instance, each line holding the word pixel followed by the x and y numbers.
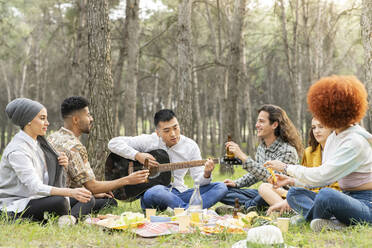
pixel 22 110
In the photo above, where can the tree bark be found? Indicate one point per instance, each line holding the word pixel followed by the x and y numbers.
pixel 247 104
pixel 197 120
pixel 291 54
pixel 184 70
pixel 231 126
pixel 131 69
pixel 100 83
pixel 231 110
pixel 366 26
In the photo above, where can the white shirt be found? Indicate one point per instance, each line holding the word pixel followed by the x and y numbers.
pixel 185 150
pixel 22 173
pixel 349 151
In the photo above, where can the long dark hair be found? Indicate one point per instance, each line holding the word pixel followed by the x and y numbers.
pixel 312 141
pixel 285 130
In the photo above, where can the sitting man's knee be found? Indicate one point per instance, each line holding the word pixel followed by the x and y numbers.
pixel 156 190
pixel 221 186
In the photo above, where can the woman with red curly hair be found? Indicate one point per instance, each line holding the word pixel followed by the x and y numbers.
pixel 338 102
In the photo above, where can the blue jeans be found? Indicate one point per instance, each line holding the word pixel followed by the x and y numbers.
pixel 161 197
pixel 247 198
pixel 348 207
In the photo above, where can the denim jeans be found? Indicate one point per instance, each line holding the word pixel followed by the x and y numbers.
pixel 161 197
pixel 348 207
pixel 247 198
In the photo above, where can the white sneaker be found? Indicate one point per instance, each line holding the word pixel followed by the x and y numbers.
pixel 319 224
pixel 66 220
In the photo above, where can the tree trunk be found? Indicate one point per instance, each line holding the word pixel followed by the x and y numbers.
pixel 231 126
pixel 118 74
pixel 247 103
pixel 78 67
pixel 131 70
pixel 197 120
pixel 366 26
pixel 204 113
pixel 100 83
pixel 3 134
pixel 184 105
pixel 22 88
pixel 231 119
pixel 291 54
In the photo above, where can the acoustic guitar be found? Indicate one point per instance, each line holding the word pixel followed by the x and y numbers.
pixel 117 167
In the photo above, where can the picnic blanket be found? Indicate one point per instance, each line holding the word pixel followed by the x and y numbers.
pixel 211 223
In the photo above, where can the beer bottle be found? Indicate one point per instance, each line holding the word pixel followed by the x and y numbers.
pixel 229 154
pixel 236 208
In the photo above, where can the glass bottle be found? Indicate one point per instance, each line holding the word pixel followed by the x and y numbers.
pixel 196 205
pixel 229 154
pixel 236 208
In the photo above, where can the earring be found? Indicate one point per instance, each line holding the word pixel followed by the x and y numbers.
pixel 29 123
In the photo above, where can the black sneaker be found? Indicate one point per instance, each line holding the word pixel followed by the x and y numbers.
pixel 225 209
pixel 249 209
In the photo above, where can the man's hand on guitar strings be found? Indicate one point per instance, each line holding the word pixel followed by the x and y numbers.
pixel 142 156
pixel 137 177
pixel 208 168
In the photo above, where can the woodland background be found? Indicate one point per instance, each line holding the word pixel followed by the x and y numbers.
pixel 215 62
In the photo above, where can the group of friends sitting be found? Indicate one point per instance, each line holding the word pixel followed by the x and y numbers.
pixel 331 188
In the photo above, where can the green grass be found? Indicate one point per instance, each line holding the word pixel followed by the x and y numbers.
pixel 28 234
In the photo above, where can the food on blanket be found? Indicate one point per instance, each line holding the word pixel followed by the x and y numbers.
pixel 102 217
pixel 261 221
pixel 231 225
pixel 248 218
pixel 125 220
pixel 253 219
pixel 252 214
pixel 272 174
pixel 211 229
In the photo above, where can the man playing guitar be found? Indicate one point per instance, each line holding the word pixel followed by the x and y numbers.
pixel 179 149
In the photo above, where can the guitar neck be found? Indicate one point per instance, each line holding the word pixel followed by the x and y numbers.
pixel 183 165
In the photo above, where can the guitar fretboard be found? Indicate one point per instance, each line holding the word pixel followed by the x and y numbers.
pixel 182 165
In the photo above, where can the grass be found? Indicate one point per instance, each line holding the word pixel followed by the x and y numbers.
pixel 28 234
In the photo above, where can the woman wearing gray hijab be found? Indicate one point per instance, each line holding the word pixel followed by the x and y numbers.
pixel 31 173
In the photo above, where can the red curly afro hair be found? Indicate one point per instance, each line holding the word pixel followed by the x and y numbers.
pixel 338 101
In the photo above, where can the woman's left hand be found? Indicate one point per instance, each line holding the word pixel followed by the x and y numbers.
pixel 63 159
pixel 276 165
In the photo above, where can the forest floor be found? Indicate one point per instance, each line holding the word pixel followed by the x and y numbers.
pixel 29 234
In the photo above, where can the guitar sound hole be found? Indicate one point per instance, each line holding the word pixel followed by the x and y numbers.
pixel 154 175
